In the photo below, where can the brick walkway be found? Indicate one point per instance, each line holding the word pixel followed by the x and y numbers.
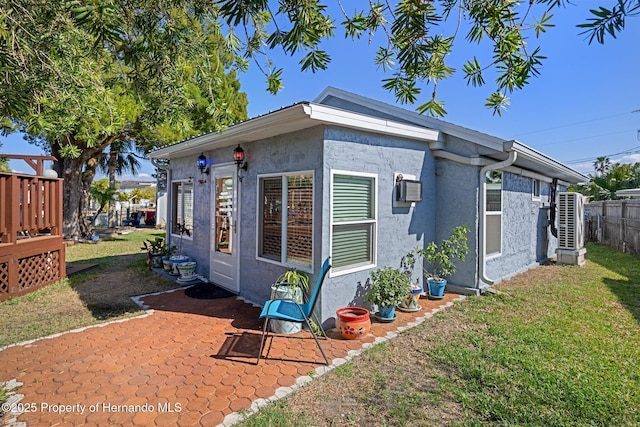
pixel 188 362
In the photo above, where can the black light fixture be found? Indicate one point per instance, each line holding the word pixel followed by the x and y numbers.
pixel 238 157
pixel 202 164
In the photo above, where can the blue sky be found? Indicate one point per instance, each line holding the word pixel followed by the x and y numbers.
pixel 585 103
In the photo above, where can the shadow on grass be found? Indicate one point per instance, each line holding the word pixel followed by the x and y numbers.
pixel 106 291
pixel 628 289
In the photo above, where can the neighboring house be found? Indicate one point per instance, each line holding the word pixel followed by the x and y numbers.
pixel 322 179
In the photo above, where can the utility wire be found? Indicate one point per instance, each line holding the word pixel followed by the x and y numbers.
pixel 633 150
pixel 573 124
pixel 585 137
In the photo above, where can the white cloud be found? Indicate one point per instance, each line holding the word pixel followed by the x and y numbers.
pixel 629 158
pixel 143 177
pixel 585 168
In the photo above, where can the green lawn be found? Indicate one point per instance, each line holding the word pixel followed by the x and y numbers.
pixel 95 296
pixel 557 346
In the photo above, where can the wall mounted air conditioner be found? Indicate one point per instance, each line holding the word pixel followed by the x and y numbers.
pixel 571 228
pixel 409 191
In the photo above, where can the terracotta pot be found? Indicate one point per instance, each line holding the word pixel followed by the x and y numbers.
pixel 353 322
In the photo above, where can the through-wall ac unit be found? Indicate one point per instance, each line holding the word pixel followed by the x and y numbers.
pixel 409 191
pixel 570 221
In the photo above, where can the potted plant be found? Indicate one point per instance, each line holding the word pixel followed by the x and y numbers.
pixel 388 287
pixel 292 285
pixel 167 252
pixel 441 260
pixel 154 251
pixel 411 301
pixel 187 271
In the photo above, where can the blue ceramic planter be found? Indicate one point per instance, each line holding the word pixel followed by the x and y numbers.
pixel 387 312
pixel 436 288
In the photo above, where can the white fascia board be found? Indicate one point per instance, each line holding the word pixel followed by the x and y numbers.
pixel 290 119
pixel 286 120
pixel 417 119
pixel 335 116
pixel 565 171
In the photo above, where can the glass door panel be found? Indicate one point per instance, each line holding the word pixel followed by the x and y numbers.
pixel 224 214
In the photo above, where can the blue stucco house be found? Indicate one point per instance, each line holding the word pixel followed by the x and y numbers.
pixel 322 179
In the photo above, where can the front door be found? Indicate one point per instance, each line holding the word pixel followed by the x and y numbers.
pixel 224 231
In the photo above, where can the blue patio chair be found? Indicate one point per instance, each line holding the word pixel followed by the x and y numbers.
pixel 291 310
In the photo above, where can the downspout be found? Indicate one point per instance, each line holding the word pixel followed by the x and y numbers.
pixel 166 167
pixel 553 207
pixel 482 211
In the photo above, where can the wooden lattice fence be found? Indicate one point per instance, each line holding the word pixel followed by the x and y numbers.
pixel 32 251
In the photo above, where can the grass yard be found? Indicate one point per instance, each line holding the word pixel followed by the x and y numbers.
pixel 557 346
pixel 87 298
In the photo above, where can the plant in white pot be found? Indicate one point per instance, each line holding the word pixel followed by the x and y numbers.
pixel 441 260
pixel 154 251
pixel 411 301
pixel 291 285
pixel 389 286
pixel 167 252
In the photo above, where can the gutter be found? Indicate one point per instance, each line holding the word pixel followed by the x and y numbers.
pixel 166 167
pixel 513 155
pixel 486 167
pixel 481 161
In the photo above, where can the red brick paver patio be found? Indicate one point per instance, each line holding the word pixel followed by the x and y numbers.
pixel 188 362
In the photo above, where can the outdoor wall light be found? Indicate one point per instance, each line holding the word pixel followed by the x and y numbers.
pixel 238 157
pixel 202 164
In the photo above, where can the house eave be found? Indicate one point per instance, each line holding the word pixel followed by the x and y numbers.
pixel 493 147
pixel 537 161
pixel 335 116
pixel 415 118
pixel 290 119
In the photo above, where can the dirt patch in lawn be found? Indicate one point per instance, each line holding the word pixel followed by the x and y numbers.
pixel 95 296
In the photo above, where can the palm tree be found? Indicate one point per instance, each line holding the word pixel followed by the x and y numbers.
pixel 602 165
pixel 121 158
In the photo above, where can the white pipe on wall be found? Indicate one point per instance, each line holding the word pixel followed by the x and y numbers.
pixel 170 194
pixel 482 210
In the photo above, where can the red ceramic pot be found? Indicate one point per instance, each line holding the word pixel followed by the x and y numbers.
pixel 353 322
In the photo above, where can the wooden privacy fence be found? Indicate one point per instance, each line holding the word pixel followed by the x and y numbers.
pixel 32 252
pixel 615 223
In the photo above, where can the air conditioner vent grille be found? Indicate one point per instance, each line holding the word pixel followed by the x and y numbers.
pixel 570 228
pixel 410 191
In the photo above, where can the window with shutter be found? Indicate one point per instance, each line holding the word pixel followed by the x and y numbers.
pixel 353 216
pixel 285 212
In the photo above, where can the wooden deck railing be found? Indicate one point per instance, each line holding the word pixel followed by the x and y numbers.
pixel 32 252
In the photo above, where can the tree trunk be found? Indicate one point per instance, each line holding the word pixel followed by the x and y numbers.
pixel 112 184
pixel 72 195
pixel 85 220
pixel 76 186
